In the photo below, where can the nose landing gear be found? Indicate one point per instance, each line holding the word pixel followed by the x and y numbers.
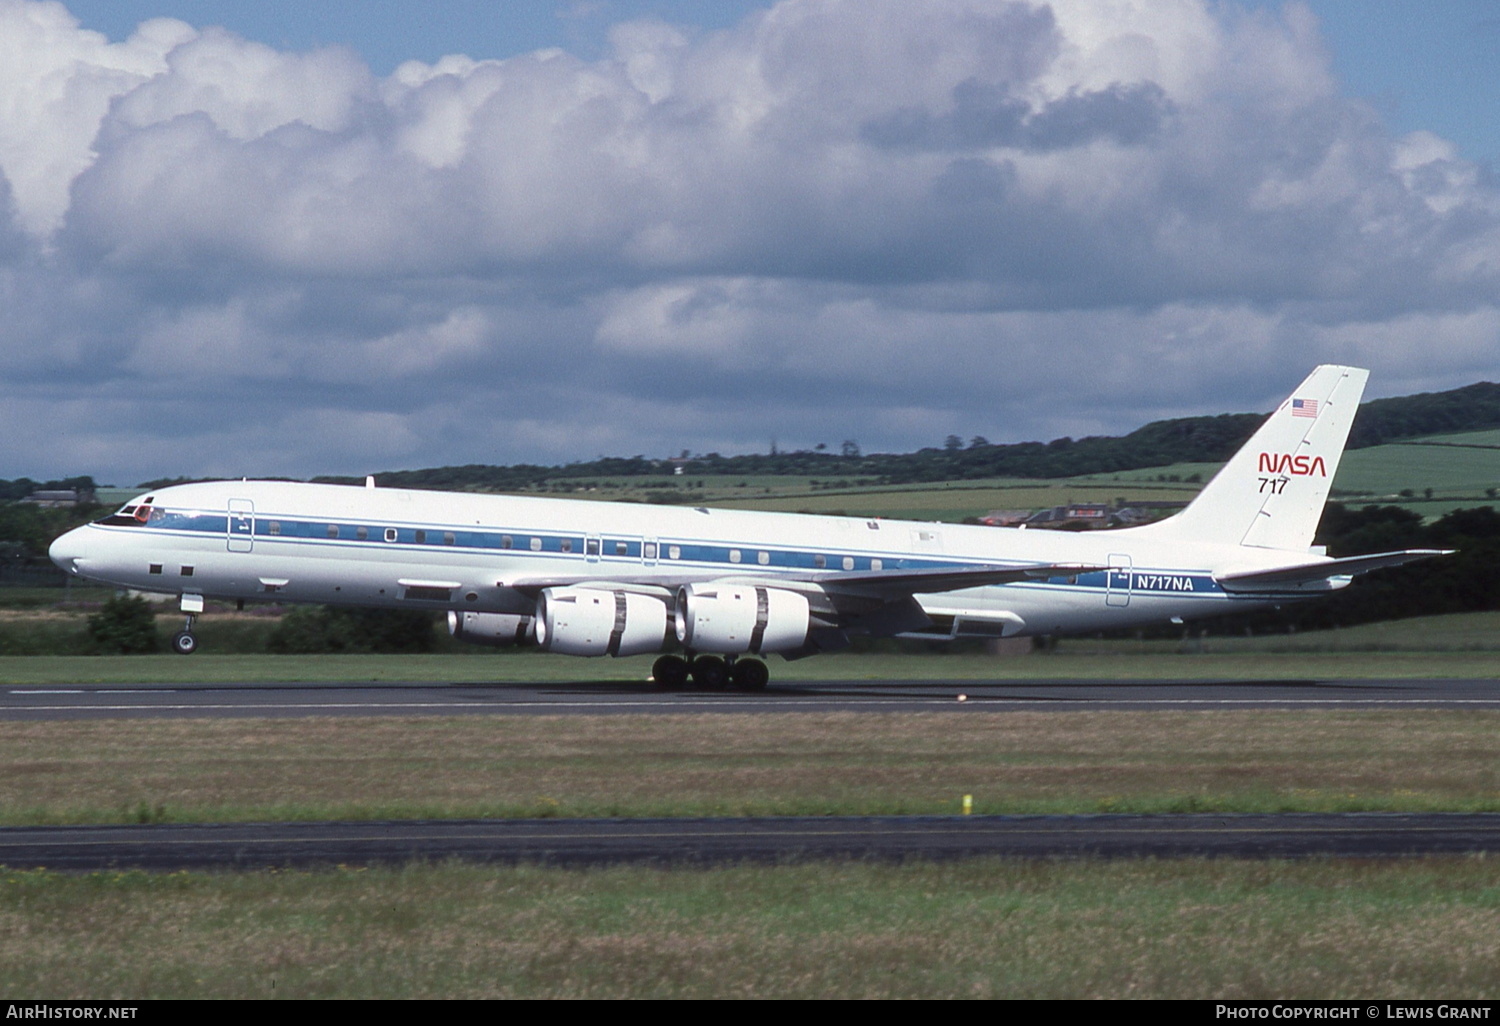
pixel 183 642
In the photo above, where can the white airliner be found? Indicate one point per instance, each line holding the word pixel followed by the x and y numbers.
pixel 598 578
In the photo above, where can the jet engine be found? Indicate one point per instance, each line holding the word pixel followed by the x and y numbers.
pixel 732 618
pixel 495 629
pixel 597 621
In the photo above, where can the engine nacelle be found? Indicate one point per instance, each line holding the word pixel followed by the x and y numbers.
pixel 596 621
pixel 496 629
pixel 732 618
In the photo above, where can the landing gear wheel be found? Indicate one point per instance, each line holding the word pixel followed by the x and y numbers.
pixel 710 673
pixel 184 643
pixel 670 672
pixel 749 675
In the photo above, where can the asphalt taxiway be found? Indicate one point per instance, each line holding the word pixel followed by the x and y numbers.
pixel 718 841
pixel 49 702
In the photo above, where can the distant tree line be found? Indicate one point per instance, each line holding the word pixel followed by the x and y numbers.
pixel 14 491
pixel 1210 439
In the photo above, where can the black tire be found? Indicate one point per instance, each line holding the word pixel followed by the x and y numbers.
pixel 184 643
pixel 750 675
pixel 670 672
pixel 710 673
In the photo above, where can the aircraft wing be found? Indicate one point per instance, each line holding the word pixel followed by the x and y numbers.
pixel 894 583
pixel 1287 578
pixel 878 584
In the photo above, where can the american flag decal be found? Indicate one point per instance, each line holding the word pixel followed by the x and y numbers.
pixel 1304 408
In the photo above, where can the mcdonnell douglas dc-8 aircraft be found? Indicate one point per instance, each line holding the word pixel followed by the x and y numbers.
pixel 598 578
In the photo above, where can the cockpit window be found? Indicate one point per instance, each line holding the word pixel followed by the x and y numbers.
pixel 133 516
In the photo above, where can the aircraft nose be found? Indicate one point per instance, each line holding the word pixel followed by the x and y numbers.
pixel 69 548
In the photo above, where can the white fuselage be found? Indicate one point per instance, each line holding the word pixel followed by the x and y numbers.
pixel 288 542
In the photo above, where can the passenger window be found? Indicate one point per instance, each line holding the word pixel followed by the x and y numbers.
pixel 674 552
pixel 506 541
pixel 763 558
pixel 621 549
pixel 390 534
pixel 155 568
pixel 187 571
pixel 449 538
pixel 362 533
pixel 734 555
pixel 567 544
pixel 877 564
pixel 421 537
pixel 536 545
pixel 273 527
pixel 591 546
pixel 649 550
pixel 820 561
pixel 848 562
pixel 333 530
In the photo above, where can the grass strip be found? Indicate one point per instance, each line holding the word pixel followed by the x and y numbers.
pixel 530 667
pixel 55 772
pixel 984 928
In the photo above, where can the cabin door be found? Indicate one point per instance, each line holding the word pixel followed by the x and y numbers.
pixel 1117 580
pixel 241 525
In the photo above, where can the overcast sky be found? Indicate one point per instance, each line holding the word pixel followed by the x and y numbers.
pixel 302 238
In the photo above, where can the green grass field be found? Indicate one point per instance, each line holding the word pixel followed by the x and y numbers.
pixel 1465 645
pixel 746 764
pixel 1482 438
pixel 978 929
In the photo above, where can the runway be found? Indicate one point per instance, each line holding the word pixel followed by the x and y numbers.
pixel 165 847
pixel 67 702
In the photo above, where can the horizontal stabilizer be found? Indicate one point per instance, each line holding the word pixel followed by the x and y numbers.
pixel 1292 577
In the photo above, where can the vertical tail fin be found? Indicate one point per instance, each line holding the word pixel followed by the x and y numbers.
pixel 1271 493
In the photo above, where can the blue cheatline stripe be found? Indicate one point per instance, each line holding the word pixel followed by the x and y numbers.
pixel 518 540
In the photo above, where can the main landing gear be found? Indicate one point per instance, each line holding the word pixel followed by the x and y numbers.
pixel 711 673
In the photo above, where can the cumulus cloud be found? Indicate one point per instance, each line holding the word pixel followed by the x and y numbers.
pixel 840 218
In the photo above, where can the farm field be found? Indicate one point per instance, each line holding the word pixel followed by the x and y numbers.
pixel 1459 469
pixel 1480 438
